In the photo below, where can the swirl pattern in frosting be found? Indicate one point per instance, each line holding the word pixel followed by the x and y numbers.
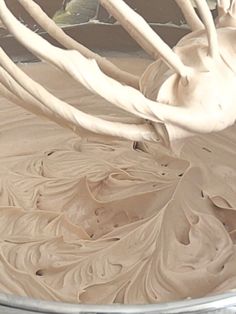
pixel 91 219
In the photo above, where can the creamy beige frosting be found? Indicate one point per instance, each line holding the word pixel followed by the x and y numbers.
pixel 92 219
pixel 199 67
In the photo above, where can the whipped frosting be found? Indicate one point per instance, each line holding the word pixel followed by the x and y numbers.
pixel 198 68
pixel 90 219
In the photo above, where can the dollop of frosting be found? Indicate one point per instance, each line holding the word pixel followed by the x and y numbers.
pixel 90 219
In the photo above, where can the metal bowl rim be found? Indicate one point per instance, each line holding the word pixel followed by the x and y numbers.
pixel 221 301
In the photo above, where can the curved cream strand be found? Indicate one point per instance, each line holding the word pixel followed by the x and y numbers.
pixel 181 120
pixel 67 112
pixel 210 27
pixel 190 15
pixel 88 73
pixel 139 29
pixel 57 33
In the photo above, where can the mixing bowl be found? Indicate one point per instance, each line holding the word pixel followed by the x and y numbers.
pixel 116 39
pixel 224 304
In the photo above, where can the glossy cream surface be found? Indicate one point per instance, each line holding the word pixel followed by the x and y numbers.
pixel 92 219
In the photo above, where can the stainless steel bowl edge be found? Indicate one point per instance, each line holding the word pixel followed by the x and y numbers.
pixel 220 304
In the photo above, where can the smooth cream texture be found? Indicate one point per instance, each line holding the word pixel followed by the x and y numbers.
pixel 91 219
